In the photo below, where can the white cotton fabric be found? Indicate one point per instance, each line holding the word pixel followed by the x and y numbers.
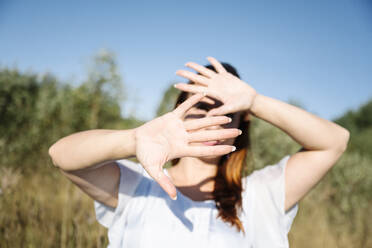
pixel 146 217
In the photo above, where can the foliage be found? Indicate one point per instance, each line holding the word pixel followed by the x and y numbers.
pixel 37 111
pixel 350 197
pixel 168 101
pixel 359 123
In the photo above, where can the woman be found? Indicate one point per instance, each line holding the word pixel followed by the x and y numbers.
pixel 210 204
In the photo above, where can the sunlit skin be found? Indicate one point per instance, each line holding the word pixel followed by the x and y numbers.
pixel 172 136
pixel 178 135
pixel 194 176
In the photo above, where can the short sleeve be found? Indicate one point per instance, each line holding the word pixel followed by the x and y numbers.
pixel 272 222
pixel 131 174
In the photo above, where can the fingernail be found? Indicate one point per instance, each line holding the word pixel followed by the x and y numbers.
pixel 204 93
pixel 174 198
pixel 240 132
pixel 233 149
pixel 174 85
pixel 229 119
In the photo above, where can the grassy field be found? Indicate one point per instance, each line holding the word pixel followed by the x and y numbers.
pixel 46 210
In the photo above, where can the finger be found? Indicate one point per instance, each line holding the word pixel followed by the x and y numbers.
pixel 193 77
pixel 206 122
pixel 201 69
pixel 224 109
pixel 209 135
pixel 167 185
pixel 192 88
pixel 187 104
pixel 185 87
pixel 208 101
pixel 217 65
pixel 201 151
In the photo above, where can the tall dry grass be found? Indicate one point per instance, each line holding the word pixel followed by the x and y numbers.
pixel 315 225
pixel 46 210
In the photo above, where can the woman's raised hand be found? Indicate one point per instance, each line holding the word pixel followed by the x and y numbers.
pixel 235 94
pixel 169 136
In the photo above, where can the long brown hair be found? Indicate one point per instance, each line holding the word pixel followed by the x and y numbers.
pixel 228 184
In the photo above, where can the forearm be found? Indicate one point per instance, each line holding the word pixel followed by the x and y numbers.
pixel 93 147
pixel 309 130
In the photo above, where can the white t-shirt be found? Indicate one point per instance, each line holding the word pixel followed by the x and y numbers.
pixel 146 217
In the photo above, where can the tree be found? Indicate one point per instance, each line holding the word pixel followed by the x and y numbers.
pixel 168 101
pixel 35 111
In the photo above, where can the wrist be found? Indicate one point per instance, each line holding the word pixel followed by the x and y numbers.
pixel 126 141
pixel 254 106
pixel 249 94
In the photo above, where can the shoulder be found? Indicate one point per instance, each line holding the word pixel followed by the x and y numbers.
pixel 269 173
pixel 265 187
pixel 266 193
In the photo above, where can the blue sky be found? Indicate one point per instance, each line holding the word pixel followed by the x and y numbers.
pixel 316 52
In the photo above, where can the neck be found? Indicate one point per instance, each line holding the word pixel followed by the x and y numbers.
pixel 191 171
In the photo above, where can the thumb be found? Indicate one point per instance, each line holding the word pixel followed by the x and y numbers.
pixel 165 182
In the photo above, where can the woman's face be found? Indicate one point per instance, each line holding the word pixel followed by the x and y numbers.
pixel 200 110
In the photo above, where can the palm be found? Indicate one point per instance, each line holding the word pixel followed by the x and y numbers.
pixel 231 91
pixel 235 94
pixel 167 137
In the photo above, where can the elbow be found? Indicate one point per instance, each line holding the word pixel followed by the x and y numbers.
pixel 53 154
pixel 57 153
pixel 344 141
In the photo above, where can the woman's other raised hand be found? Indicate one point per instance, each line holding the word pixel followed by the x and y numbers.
pixel 235 94
pixel 169 136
